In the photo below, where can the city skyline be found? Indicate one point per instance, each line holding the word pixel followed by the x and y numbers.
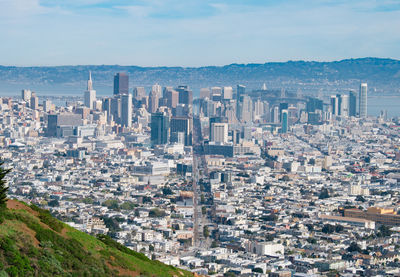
pixel 190 179
pixel 255 138
pixel 195 34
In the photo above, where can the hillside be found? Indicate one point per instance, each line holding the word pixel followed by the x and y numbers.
pixel 382 74
pixel 33 243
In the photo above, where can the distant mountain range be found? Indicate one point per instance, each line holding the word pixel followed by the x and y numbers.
pixel 382 76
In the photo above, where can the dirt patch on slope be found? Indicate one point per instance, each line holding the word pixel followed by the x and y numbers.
pixel 16 205
pixel 30 233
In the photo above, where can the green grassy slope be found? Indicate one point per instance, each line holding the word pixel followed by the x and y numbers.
pixel 33 243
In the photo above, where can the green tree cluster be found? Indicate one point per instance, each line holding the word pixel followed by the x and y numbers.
pixel 3 185
pixel 156 213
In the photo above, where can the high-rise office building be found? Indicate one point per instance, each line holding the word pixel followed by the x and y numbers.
pixel 171 96
pixel 182 125
pixel 155 98
pixel 90 93
pixel 228 93
pixel 159 128
pixel 314 104
pixel 106 107
pixel 26 95
pixel 283 106
pixel 204 93
pixel 235 136
pixel 208 107
pixel 126 110
pixel 292 115
pixel 153 101
pixel 284 121
pixel 47 106
pixel 84 112
pixel 258 110
pixel 185 95
pixel 340 104
pixel 314 118
pixel 216 119
pixel 55 121
pixel 344 105
pixel 216 93
pixel 267 115
pixel 156 88
pixel 34 101
pixel 182 110
pixel 352 103
pixel 121 83
pixel 334 105
pixel 177 137
pixel 363 100
pixel 219 132
pixel 116 109
pixel 275 114
pixel 139 93
pixel 246 109
pixel 139 97
pixel 240 91
pixel 229 111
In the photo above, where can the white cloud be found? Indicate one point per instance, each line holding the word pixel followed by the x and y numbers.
pixel 19 8
pixel 136 11
pixel 199 33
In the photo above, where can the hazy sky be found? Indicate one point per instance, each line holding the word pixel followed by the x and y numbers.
pixel 195 32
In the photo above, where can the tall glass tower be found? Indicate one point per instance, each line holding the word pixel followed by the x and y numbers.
pixel 121 83
pixel 352 103
pixel 126 110
pixel 363 100
pixel 285 122
pixel 240 91
pixel 159 128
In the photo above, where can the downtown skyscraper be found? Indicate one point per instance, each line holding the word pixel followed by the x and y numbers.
pixel 126 110
pixel 363 100
pixel 352 103
pixel 159 128
pixel 284 121
pixel 121 83
pixel 90 93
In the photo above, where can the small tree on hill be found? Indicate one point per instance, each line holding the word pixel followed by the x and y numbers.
pixel 3 185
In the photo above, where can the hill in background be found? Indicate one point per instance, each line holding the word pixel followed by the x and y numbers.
pixel 33 243
pixel 383 75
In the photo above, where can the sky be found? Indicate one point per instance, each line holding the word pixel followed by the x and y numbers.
pixel 195 32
